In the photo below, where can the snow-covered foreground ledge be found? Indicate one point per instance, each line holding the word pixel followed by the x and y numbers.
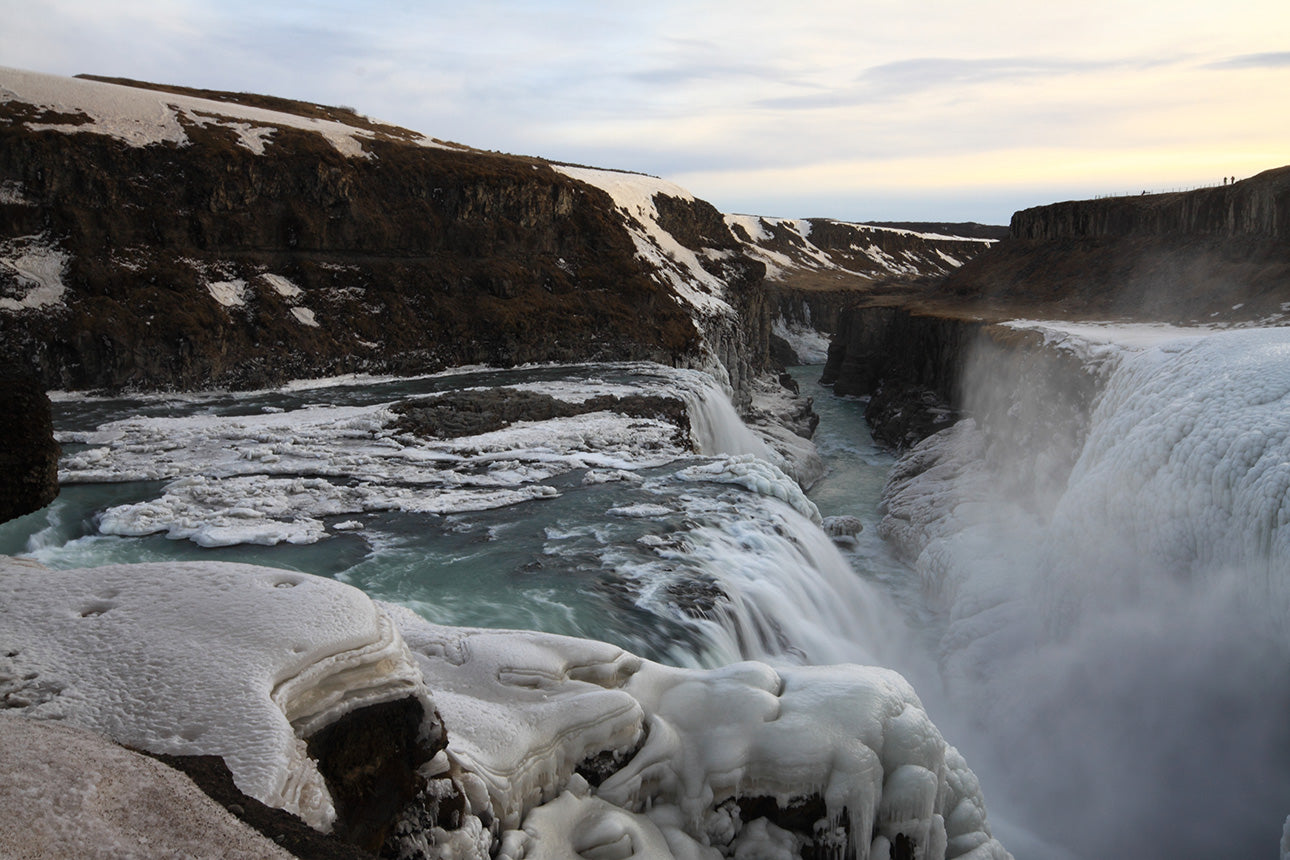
pixel 245 662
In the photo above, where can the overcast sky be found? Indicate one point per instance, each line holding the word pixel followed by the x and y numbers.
pixel 862 110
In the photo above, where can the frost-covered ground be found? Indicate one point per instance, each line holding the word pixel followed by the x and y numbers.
pixel 1118 641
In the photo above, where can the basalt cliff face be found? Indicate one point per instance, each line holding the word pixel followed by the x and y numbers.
pixel 159 238
pixel 1212 255
pixel 1215 255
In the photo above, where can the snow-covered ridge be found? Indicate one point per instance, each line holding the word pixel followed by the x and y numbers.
pixel 143 117
pixel 634 194
pixel 788 245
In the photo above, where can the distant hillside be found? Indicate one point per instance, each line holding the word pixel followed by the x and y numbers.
pixel 164 237
pixel 820 253
pixel 966 229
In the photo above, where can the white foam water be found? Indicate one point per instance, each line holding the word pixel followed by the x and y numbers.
pixel 1116 652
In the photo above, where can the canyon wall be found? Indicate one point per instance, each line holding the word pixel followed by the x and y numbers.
pixel 1216 256
pixel 1211 255
pixel 208 242
pixel 1259 206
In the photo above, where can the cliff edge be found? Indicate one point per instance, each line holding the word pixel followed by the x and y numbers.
pixel 157 237
pixel 1215 256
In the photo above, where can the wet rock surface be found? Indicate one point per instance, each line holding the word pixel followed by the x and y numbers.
pixel 369 759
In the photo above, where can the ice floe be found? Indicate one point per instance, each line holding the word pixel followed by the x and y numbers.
pixel 273 476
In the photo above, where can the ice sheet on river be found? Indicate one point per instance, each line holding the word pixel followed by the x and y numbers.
pixel 274 477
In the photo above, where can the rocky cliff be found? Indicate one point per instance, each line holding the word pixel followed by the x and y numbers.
pixel 156 237
pixel 1256 207
pixel 1211 255
pixel 1216 256
pixel 29 458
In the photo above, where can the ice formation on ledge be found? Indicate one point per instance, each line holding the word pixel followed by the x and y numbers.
pixel 111 802
pixel 201 659
pixel 242 662
pixel 828 755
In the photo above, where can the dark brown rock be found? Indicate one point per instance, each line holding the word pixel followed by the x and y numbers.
pixel 411 260
pixel 474 411
pixel 29 454
pixel 369 759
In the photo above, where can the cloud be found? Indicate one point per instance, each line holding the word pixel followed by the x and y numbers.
pixel 903 78
pixel 1274 60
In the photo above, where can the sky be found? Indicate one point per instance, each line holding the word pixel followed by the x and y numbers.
pixel 862 110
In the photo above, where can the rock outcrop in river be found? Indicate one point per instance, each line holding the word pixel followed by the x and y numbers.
pixel 29 459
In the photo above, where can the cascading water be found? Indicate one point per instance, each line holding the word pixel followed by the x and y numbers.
pixel 595 526
pixel 1110 643
pixel 1117 651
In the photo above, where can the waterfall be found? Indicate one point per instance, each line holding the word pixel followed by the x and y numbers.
pixel 715 426
pixel 1117 649
pixel 788 595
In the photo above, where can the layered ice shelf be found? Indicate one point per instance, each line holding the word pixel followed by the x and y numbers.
pixel 201 659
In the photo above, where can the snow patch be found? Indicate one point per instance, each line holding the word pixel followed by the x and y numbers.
pixel 304 316
pixel 11 194
pixel 37 265
pixel 230 294
pixel 142 117
pixel 282 286
pixel 634 195
pixel 810 346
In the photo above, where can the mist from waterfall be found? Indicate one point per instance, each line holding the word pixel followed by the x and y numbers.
pixel 1114 648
